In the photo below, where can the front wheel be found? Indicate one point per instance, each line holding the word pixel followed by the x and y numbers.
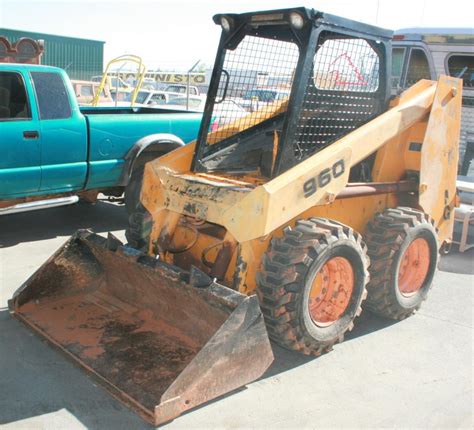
pixel 312 284
pixel 403 249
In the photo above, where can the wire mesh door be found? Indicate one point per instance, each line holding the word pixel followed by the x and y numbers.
pixel 254 85
pixel 342 92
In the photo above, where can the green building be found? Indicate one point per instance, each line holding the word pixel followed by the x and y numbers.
pixel 81 58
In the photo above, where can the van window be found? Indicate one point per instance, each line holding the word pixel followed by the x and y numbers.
pixel 462 66
pixel 418 67
pixel 13 98
pixel 53 100
pixel 398 58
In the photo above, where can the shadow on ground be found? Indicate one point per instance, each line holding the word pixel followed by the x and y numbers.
pixel 63 221
pixel 286 360
pixel 37 379
pixel 456 262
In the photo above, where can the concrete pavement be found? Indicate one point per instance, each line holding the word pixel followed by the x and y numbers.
pixel 413 374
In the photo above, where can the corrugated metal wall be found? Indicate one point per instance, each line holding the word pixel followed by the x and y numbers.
pixel 81 58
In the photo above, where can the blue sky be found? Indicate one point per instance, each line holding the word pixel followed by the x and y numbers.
pixel 177 33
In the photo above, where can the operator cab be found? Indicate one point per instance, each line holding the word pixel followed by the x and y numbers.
pixel 329 76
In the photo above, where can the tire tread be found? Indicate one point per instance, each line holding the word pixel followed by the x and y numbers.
pixel 281 279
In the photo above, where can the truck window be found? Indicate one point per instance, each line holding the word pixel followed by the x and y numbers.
pixel 398 58
pixel 462 66
pixel 13 99
pixel 158 99
pixel 177 89
pixel 418 67
pixel 53 100
pixel 86 91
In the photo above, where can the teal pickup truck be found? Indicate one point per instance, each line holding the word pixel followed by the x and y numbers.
pixel 54 153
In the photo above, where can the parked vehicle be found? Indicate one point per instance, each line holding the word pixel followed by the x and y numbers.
pixel 121 90
pixel 225 112
pixel 113 82
pixel 151 97
pixel 85 91
pixel 184 102
pixel 147 84
pixel 182 89
pixel 171 100
pixel 53 150
pixel 427 53
pixel 256 98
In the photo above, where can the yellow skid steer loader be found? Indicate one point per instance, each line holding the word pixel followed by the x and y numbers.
pixel 289 218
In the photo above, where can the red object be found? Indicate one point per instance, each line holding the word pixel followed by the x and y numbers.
pixel 24 50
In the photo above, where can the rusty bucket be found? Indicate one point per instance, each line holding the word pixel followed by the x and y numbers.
pixel 159 339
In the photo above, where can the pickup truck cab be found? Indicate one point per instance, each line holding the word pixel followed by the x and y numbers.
pixel 53 149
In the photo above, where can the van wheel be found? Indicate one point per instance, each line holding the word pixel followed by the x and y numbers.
pixel 312 284
pixel 403 250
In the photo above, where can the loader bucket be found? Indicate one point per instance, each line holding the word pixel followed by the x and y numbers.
pixel 159 339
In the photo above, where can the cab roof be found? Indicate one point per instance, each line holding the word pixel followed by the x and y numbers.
pixel 278 16
pixel 29 67
pixel 459 36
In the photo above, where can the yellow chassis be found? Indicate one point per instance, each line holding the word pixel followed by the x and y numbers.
pixel 223 224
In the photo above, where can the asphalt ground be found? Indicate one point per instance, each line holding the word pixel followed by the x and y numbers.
pixel 417 373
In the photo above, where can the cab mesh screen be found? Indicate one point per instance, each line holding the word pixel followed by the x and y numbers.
pixel 258 75
pixel 342 93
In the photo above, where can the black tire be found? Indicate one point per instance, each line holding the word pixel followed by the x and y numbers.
pixel 285 281
pixel 133 189
pixel 139 228
pixel 134 186
pixel 388 237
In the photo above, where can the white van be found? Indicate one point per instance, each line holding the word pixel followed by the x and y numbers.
pixel 425 53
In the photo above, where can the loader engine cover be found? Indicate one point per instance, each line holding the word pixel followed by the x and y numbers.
pixel 160 339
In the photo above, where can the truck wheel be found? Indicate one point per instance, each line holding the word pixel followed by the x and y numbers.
pixel 403 249
pixel 312 284
pixel 133 188
pixel 139 228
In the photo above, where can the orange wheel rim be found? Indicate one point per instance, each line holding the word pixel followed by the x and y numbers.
pixel 331 291
pixel 414 267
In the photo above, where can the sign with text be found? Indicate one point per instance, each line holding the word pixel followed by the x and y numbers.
pixel 167 77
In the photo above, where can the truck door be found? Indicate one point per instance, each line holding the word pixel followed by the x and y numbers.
pixel 20 138
pixel 63 134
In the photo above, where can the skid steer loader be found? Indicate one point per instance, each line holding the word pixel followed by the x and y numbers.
pixel 282 220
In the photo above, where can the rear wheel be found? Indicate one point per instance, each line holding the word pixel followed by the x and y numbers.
pixel 403 250
pixel 139 219
pixel 139 228
pixel 312 284
pixel 134 186
pixel 133 189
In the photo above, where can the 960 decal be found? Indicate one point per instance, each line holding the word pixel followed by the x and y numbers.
pixel 323 178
